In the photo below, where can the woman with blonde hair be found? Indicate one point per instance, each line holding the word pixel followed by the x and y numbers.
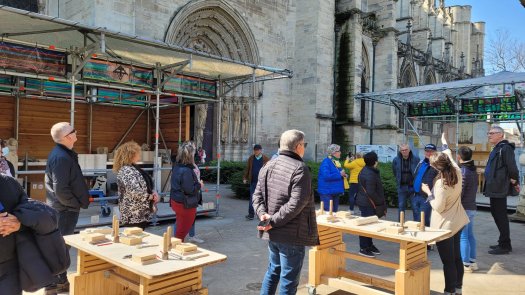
pixel 135 187
pixel 448 213
pixel 185 190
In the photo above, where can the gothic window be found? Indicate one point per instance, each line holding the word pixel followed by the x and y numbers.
pixel 408 77
pixel 430 78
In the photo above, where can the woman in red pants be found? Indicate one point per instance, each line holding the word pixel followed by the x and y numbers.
pixel 185 186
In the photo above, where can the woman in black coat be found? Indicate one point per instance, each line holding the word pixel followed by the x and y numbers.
pixel 12 195
pixel 370 190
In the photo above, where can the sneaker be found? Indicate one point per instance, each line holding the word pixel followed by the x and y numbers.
pixel 459 291
pixel 249 217
pixel 499 251
pixel 498 246
pixel 468 268
pixel 366 253
pixel 50 290
pixel 474 266
pixel 196 240
pixel 63 288
pixel 374 250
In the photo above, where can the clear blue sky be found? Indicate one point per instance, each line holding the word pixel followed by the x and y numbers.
pixel 497 14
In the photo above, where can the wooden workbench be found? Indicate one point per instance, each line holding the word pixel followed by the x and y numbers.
pixel 412 271
pixel 104 269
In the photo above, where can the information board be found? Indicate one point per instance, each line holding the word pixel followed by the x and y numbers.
pixel 489 105
pixel 431 108
pixel 385 153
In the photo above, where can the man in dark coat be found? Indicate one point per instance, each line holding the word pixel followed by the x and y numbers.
pixel 424 173
pixel 251 174
pixel 66 187
pixel 403 167
pixel 284 203
pixel 501 174
pixel 10 197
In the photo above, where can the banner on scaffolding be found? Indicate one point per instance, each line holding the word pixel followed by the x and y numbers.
pixel 113 72
pixel 434 108
pixel 51 88
pixel 506 104
pixel 33 60
pixel 191 86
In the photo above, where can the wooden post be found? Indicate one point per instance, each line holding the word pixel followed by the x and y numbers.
pixel 331 207
pixel 322 208
pixel 402 218
pixel 115 229
pixel 422 222
pixel 169 233
pixel 165 246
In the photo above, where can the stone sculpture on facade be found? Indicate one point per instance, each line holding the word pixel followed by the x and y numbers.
pixel 225 116
pixel 236 113
pixel 201 111
pixel 245 120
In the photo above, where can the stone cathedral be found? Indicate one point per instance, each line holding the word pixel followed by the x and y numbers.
pixel 335 48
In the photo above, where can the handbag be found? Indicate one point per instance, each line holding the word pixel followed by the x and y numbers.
pixel 380 209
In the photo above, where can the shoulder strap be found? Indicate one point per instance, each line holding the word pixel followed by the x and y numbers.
pixel 366 193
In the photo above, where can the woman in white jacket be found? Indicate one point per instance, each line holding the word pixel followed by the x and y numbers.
pixel 448 213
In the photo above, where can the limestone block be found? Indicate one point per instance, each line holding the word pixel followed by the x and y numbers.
pixel 412 224
pixel 185 248
pixel 394 230
pixel 364 220
pixel 143 258
pixel 130 240
pixel 94 237
pixel 132 231
pixel 175 242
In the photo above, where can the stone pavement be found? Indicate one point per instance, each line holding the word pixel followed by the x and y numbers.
pixel 230 234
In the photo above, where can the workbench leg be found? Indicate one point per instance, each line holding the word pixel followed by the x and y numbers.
pixel 322 262
pixel 413 275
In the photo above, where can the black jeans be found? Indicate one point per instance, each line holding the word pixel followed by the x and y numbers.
pixel 365 242
pixel 498 209
pixel 450 254
pixel 67 221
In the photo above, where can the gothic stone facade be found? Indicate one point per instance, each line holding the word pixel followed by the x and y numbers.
pixel 411 42
pixel 305 37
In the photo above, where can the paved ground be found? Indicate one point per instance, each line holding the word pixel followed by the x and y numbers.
pixel 230 234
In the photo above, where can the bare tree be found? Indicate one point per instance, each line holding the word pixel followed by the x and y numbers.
pixel 522 2
pixel 505 53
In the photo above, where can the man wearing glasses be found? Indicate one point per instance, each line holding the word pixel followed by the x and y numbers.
pixel 404 166
pixel 284 203
pixel 66 188
pixel 501 175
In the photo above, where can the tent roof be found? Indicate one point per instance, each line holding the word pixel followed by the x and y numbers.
pixel 28 27
pixel 441 91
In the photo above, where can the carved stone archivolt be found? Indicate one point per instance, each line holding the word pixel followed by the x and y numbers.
pixel 217 28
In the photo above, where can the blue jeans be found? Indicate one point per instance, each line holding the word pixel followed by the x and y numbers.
pixel 403 194
pixel 251 212
pixel 352 191
pixel 326 201
pixel 467 240
pixel 365 242
pixel 420 204
pixel 285 265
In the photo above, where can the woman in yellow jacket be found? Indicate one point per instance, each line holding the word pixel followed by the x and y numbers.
pixel 354 166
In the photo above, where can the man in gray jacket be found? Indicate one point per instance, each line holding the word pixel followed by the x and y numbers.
pixel 66 188
pixel 284 202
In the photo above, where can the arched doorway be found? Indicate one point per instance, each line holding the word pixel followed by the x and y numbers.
pixel 217 28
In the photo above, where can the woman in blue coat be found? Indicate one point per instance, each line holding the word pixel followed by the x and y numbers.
pixel 330 180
